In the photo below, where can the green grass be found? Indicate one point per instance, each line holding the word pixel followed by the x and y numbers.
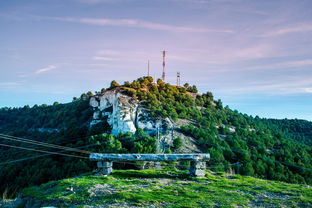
pixel 168 188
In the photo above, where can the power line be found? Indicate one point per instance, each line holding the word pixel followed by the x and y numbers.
pixel 43 155
pixel 8 137
pixel 67 140
pixel 35 150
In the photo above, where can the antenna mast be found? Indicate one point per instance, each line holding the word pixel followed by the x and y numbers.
pixel 148 68
pixel 178 79
pixel 164 64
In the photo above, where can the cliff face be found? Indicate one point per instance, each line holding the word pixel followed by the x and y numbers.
pixel 125 114
pixel 119 110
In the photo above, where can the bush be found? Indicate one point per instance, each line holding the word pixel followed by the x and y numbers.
pixel 177 143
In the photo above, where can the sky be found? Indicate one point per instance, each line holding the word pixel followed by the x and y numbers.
pixel 256 56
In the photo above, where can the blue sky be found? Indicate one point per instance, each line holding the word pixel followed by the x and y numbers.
pixel 253 55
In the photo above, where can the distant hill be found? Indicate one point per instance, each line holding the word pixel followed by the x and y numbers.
pixel 129 117
pixel 298 129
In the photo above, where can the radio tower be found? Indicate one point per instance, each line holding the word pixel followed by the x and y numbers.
pixel 148 68
pixel 178 79
pixel 164 64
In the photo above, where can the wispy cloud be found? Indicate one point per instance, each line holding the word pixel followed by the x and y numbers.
pixel 136 23
pixel 45 69
pixel 9 84
pixel 101 1
pixel 306 27
pixel 107 52
pixel 307 90
pixel 291 85
pixel 102 58
pixel 225 54
pixel 207 1
pixel 287 64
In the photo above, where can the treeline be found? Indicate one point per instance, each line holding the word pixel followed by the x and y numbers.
pixel 300 130
pixel 64 124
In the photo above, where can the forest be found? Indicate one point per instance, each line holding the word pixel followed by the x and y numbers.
pixel 239 143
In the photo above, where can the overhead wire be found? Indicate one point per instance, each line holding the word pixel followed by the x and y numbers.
pixel 19 139
pixel 29 141
pixel 42 155
pixel 68 140
pixel 36 150
pixel 48 154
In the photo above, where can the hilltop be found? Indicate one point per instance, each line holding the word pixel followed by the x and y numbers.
pixel 165 188
pixel 129 117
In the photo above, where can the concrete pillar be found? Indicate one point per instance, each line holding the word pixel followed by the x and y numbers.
pixel 104 167
pixel 198 168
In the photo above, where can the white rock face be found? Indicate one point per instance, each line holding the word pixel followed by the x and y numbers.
pixel 119 110
pixel 125 114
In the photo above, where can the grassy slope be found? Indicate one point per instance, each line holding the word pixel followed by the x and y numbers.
pixel 165 188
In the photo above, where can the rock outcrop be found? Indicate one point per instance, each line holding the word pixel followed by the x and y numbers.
pixel 126 114
pixel 119 110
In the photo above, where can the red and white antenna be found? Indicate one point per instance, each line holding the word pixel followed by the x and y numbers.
pixel 164 65
pixel 148 68
pixel 178 79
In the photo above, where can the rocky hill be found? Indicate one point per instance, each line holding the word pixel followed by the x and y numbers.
pixel 126 114
pixel 145 117
pixel 163 188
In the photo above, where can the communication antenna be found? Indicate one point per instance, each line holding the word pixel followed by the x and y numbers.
pixel 178 79
pixel 148 68
pixel 164 64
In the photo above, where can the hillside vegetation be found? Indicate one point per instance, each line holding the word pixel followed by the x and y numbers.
pixel 238 143
pixel 300 130
pixel 166 188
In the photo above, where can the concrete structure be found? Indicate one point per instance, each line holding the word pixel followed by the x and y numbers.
pixel 105 161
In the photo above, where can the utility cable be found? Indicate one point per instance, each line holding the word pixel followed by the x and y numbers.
pixel 35 150
pixel 19 139
pixel 8 137
pixel 42 155
pixel 68 140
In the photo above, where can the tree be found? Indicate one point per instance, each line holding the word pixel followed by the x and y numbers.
pixel 194 89
pixel 89 94
pixel 135 84
pixel 219 104
pixel 247 169
pixel 177 143
pixel 114 84
pixel 160 81
pixel 103 90
pixel 127 84
pixel 150 79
